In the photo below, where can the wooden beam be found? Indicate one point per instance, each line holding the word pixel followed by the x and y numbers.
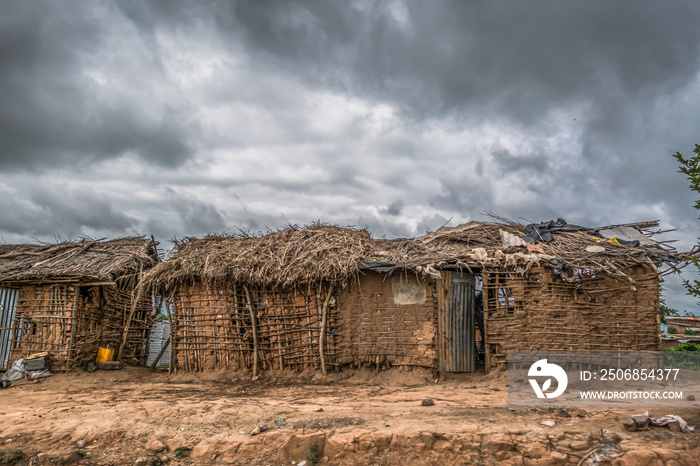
pixel 249 304
pixel 324 325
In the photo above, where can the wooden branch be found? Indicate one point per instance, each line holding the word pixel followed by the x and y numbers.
pixel 74 328
pixel 160 354
pixel 324 324
pixel 249 304
pixel 134 305
pixel 170 307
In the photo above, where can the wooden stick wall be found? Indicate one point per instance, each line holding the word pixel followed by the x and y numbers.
pixel 541 311
pixel 254 329
pixel 44 322
pixel 70 322
pixel 101 319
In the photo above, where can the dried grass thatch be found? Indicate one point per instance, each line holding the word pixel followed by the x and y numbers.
pixel 82 261
pixel 479 245
pixel 320 253
pixel 284 258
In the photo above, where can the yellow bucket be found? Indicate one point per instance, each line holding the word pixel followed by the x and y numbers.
pixel 104 354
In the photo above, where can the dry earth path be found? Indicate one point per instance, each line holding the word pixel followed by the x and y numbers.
pixel 136 416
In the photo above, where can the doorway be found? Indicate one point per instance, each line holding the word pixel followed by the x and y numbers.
pixel 456 322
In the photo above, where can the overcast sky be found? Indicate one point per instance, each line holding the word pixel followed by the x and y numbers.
pixel 181 118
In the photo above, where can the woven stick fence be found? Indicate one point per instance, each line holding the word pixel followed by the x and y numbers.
pixel 246 328
pixel 541 311
pixel 71 322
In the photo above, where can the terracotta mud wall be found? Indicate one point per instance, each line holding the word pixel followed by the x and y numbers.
pixel 541 311
pixel 212 328
pixel 387 324
pixel 70 322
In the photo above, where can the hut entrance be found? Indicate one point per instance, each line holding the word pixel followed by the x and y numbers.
pixel 456 323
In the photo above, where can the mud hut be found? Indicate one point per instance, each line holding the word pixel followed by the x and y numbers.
pixel 70 298
pixel 326 297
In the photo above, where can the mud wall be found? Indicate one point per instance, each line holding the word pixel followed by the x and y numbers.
pixel 387 324
pixel 541 311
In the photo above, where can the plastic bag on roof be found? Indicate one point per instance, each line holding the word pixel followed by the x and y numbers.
pixel 543 231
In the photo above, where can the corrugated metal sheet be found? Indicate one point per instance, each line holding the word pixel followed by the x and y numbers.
pixel 8 307
pixel 159 335
pixel 456 327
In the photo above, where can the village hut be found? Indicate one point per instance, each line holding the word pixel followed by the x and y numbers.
pixel 68 299
pixel 326 297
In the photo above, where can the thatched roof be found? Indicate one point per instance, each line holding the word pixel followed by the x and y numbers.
pixel 81 261
pixel 298 256
pixel 480 244
pixel 279 259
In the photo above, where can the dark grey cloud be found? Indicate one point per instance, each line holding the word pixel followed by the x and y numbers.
pixel 514 61
pixel 75 209
pixel 53 211
pixel 394 208
pixel 464 193
pixel 196 216
pixel 509 163
pixel 54 109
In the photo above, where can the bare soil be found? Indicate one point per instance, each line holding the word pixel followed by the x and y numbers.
pixel 357 417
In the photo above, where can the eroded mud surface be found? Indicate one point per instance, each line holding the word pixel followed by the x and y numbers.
pixel 363 417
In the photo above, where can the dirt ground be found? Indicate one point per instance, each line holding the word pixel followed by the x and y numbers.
pixel 137 416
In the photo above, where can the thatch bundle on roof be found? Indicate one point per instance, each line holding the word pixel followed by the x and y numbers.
pixel 84 260
pixel 283 258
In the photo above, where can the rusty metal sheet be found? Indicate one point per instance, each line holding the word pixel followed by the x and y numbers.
pixel 456 323
pixel 8 307
pixel 159 335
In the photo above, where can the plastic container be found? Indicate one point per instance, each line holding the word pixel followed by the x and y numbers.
pixel 36 364
pixel 104 354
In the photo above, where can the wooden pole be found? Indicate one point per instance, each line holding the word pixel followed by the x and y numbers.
pixel 310 359
pixel 73 327
pixel 128 319
pixel 160 354
pixel 239 332
pixel 127 324
pixel 249 304
pixel 169 307
pixel 322 337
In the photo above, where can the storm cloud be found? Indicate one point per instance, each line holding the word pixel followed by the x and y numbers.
pixel 179 118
